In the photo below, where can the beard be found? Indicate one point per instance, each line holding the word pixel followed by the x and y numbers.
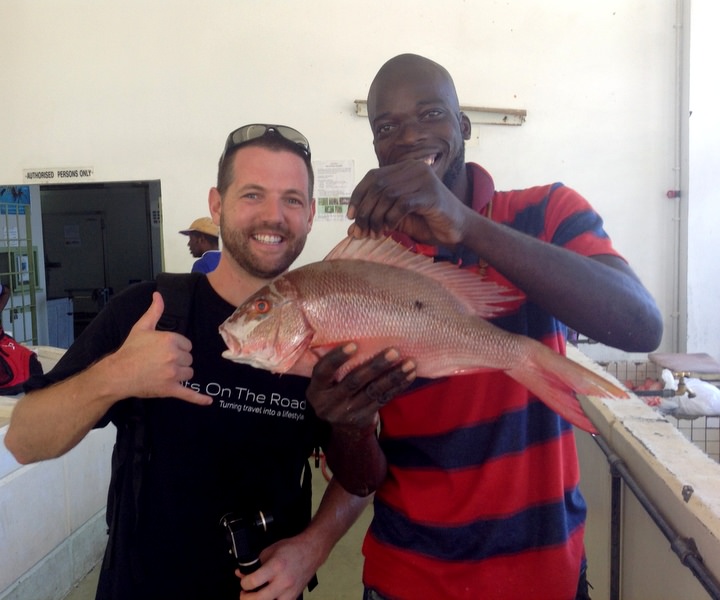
pixel 237 243
pixel 455 168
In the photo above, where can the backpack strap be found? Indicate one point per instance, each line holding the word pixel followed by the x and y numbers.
pixel 177 290
pixel 134 448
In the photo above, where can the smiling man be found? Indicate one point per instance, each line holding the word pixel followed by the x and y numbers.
pixel 197 435
pixel 481 498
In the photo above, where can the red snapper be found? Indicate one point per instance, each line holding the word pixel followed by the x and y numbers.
pixel 378 294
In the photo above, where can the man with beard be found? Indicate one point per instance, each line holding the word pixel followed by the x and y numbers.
pixel 481 497
pixel 217 437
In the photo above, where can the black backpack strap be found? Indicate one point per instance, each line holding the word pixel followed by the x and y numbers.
pixel 177 290
pixel 134 443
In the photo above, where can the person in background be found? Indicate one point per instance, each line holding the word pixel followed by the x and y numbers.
pixel 478 481
pixel 207 436
pixel 203 240
pixel 4 297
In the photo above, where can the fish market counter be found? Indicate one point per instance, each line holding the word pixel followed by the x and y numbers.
pixel 52 513
pixel 679 479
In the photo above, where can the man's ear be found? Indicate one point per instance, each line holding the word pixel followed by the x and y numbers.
pixel 215 204
pixel 311 218
pixel 465 126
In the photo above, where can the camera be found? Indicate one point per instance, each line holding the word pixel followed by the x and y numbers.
pixel 245 535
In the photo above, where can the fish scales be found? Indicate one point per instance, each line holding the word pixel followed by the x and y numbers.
pixel 378 294
pixel 366 302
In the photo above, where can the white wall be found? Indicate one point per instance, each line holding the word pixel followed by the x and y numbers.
pixel 703 280
pixel 149 89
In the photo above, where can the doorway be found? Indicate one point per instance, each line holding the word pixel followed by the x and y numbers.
pixel 97 239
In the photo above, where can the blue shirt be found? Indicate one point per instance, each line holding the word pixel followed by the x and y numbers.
pixel 207 262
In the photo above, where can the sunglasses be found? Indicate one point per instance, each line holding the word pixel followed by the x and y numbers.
pixel 248 133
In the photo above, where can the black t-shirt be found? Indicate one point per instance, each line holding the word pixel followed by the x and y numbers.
pixel 246 452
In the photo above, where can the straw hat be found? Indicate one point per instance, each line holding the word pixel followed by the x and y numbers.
pixel 202 225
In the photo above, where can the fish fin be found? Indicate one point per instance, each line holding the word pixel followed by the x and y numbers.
pixel 555 379
pixel 480 297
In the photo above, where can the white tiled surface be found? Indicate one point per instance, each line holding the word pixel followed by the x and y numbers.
pixel 51 529
pixel 88 476
pixel 703 431
pixel 32 517
pixel 44 504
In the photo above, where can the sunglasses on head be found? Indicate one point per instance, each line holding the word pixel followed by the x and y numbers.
pixel 252 132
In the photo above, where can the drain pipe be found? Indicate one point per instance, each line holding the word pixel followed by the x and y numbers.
pixel 684 548
pixel 679 195
pixel 615 527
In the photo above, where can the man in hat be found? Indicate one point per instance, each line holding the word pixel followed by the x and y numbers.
pixel 203 243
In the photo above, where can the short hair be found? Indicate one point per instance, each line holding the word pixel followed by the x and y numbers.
pixel 271 141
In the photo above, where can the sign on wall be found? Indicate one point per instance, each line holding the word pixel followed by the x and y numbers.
pixel 334 182
pixel 59 175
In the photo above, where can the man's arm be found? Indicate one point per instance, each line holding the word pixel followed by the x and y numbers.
pixel 288 565
pixel 351 407
pixel 599 296
pixel 48 422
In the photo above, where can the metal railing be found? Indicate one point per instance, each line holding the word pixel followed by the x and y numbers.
pixel 685 548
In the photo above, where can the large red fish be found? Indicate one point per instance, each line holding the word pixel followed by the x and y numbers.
pixel 378 294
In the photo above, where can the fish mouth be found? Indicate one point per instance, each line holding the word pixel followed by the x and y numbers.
pixel 253 360
pixel 234 347
pixel 238 353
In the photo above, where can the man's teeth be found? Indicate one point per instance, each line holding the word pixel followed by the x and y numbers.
pixel 268 239
pixel 430 160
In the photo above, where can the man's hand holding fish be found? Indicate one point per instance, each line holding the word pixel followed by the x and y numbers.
pixel 352 405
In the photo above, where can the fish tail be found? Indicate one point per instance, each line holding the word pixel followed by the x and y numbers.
pixel 555 380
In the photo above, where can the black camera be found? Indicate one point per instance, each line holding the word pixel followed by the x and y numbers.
pixel 245 535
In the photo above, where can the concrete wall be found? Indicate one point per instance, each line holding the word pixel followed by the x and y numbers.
pixel 148 90
pixel 703 206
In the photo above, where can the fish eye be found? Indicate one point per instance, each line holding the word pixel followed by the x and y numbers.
pixel 262 306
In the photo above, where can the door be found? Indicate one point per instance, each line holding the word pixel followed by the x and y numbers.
pixel 75 262
pixel 99 238
pixel 74 253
